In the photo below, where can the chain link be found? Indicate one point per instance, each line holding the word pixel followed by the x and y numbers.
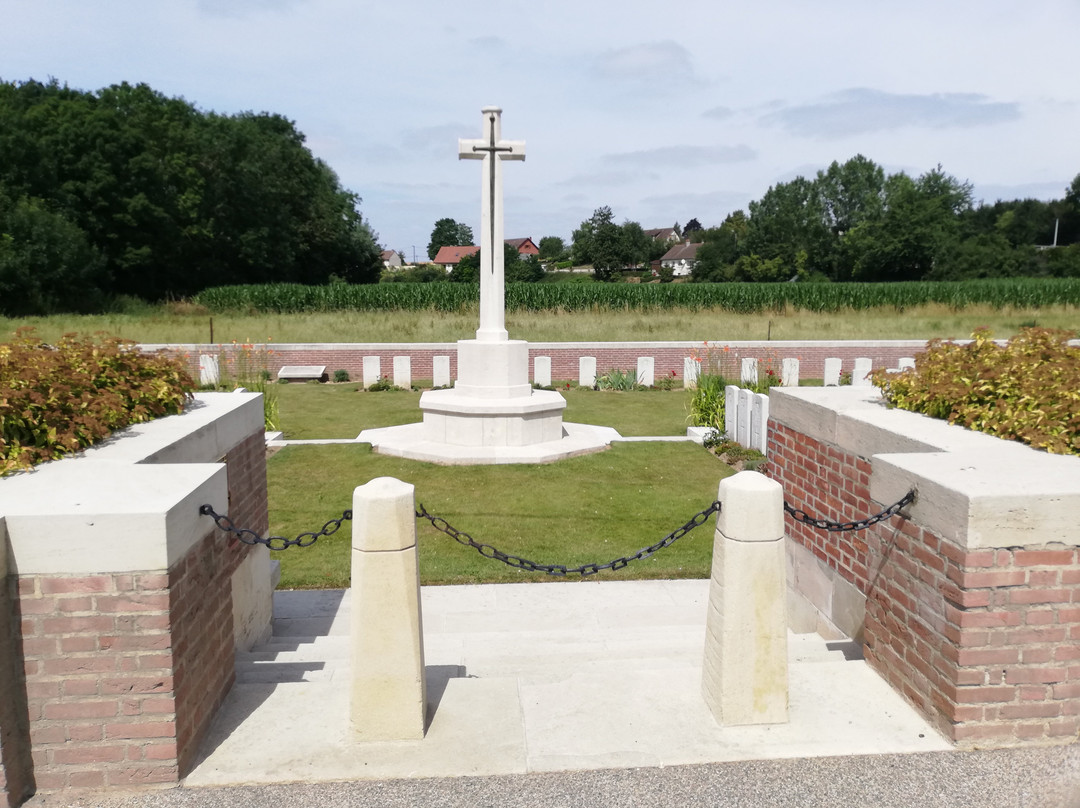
pixel 800 515
pixel 273 542
pixel 561 570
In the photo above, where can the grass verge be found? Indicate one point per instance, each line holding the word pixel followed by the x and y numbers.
pixel 309 411
pixel 586 509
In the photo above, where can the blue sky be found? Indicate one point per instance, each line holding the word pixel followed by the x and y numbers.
pixel 663 112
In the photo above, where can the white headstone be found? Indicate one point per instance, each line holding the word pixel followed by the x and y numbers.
pixel 860 376
pixel 587 371
pixel 748 374
pixel 691 369
pixel 832 372
pixel 742 427
pixel 440 371
pixel 646 374
pixel 403 372
pixel 372 370
pixel 905 363
pixel 492 149
pixel 542 371
pixel 209 373
pixel 759 422
pixel 731 411
pixel 789 372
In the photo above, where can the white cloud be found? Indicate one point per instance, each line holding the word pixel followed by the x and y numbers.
pixel 718 113
pixel 685 156
pixel 650 66
pixel 243 8
pixel 860 110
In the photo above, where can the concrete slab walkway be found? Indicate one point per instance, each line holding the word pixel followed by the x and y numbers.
pixel 537 678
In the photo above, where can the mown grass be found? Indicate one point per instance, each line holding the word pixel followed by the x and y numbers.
pixel 185 324
pixel 586 509
pixel 309 411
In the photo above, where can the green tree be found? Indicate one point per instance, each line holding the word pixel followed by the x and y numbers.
pixel 467 270
pixel 693 231
pixel 448 233
pixel 598 241
pixel 635 244
pixel 788 221
pixel 175 199
pixel 46 262
pixel 919 226
pixel 552 248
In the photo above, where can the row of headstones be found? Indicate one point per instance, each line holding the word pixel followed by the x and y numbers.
pixel 746 413
pixel 209 374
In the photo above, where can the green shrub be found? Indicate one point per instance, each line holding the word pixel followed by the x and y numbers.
pixel 615 379
pixel 1026 390
pixel 341 376
pixel 707 402
pixel 58 399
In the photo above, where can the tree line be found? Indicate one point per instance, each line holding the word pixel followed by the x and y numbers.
pixel 124 191
pixel 852 222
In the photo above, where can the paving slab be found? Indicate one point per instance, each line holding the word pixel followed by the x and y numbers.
pixel 530 678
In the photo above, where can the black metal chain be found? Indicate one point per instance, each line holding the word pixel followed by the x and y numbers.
pixel 561 570
pixel 273 542
pixel 838 527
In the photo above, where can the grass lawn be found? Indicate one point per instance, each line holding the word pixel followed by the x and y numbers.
pixel 585 509
pixel 309 411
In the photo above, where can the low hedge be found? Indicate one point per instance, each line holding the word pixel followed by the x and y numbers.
pixel 57 399
pixel 1027 389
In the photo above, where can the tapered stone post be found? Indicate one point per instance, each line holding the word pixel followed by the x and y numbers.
pixel 388 693
pixel 744 675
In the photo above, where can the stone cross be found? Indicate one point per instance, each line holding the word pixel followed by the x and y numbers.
pixel 492 149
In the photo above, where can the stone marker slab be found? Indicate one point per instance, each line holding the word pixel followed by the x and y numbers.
pixel 302 372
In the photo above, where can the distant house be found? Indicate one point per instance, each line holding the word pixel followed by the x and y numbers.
pixel 524 246
pixel 681 258
pixel 391 258
pixel 448 257
pixel 667 234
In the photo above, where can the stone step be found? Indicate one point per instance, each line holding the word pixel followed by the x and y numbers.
pixel 320 658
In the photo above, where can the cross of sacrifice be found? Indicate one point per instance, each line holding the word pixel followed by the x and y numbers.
pixel 492 150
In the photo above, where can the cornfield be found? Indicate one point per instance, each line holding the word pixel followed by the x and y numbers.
pixel 740 298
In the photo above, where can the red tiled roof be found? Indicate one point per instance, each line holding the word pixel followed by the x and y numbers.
pixel 452 255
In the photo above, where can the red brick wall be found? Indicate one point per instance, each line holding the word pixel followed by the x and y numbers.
pixel 986 643
pixel 564 359
pixel 124 671
pixel 16 779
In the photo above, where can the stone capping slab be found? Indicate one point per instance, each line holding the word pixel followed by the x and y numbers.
pixel 973 489
pixel 211 424
pixel 130 503
pixel 986 498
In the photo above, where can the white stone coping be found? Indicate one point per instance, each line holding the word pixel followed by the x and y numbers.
pixel 198 347
pixel 130 503
pixel 973 489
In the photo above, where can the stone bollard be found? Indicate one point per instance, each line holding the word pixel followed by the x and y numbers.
pixel 744 675
pixel 388 689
